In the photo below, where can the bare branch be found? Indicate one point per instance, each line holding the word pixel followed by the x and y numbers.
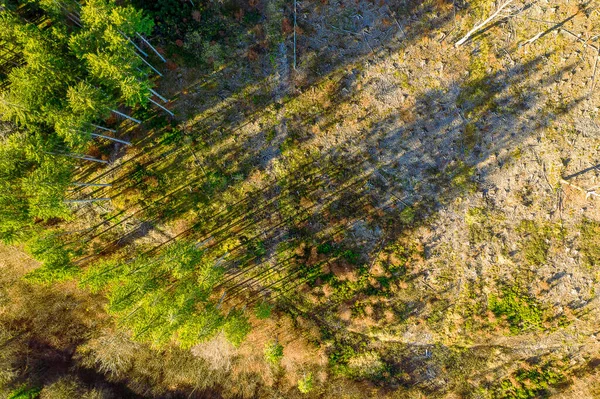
pixel 593 82
pixel 481 25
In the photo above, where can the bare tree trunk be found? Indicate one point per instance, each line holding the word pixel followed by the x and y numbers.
pixel 84 157
pixel 126 116
pixel 104 128
pixel 82 201
pixel 157 104
pixel 152 47
pixel 150 65
pixel 481 25
pixel 90 184
pixel 111 138
pixel 134 45
pixel 164 100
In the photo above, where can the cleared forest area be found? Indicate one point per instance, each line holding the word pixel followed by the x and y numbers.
pixel 353 199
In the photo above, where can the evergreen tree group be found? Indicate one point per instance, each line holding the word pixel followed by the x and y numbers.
pixel 66 67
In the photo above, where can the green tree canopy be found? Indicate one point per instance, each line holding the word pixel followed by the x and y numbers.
pixel 70 78
pixel 32 186
pixel 166 297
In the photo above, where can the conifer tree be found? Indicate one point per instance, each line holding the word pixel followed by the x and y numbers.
pixel 56 260
pixel 14 210
pixel 32 185
pixel 70 79
pixel 110 57
pixel 165 298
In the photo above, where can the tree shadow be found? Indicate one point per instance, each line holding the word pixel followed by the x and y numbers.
pixel 327 210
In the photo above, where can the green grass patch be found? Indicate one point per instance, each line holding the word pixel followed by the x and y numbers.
pixel 521 311
pixel 461 177
pixel 589 242
pixel 470 136
pixel 263 310
pixel 481 223
pixel 537 240
pixel 25 392
pixel 477 93
pixel 530 383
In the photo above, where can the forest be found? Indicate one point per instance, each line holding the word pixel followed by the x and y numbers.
pixel 299 199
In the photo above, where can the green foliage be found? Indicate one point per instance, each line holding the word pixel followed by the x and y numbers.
pixel 171 136
pixel 25 392
pixel 325 248
pixel 45 187
pixel 256 248
pixel 213 53
pixel 32 184
pixel 470 136
pixel 339 358
pixel 408 215
pixel 103 272
pixel 263 310
pixel 273 353
pixel 403 255
pixel 476 219
pixel 356 363
pixel 166 297
pixel 200 327
pixel 87 101
pixel 522 312
pixel 477 94
pixel 55 98
pixel 14 207
pixel 56 259
pixel 461 177
pixel 529 383
pixel 351 256
pixel 170 15
pixel 36 88
pixel 367 365
pixel 537 240
pixel 346 289
pixel 590 242
pixel 53 86
pixel 236 328
pixel 535 251
pixel 306 383
pixel 480 8
pixel 482 223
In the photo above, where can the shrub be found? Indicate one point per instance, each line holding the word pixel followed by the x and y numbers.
pixel 236 328
pixel 305 384
pixel 56 260
pixel 366 365
pixel 325 248
pixel 263 310
pixel 526 384
pixel 408 215
pixel 25 392
pixel 521 311
pixel 273 352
